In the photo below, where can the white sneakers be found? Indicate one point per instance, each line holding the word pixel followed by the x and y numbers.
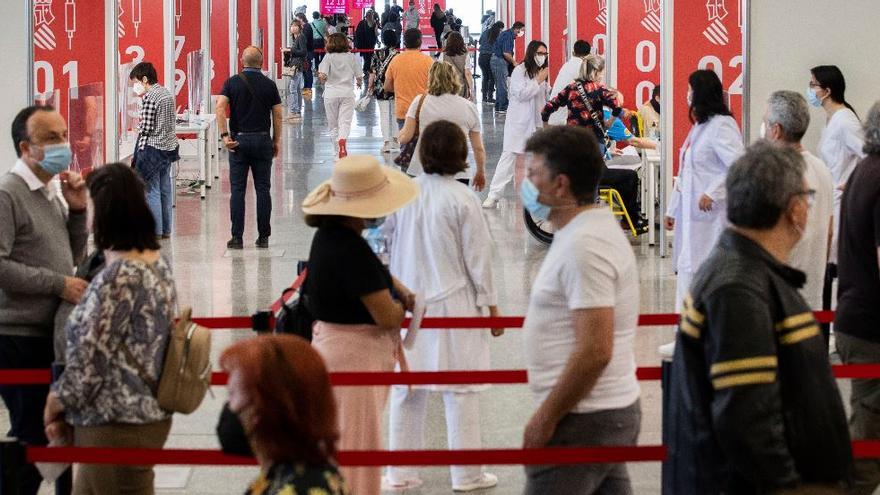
pixel 490 203
pixel 486 480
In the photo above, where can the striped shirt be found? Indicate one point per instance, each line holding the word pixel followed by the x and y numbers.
pixel 157 120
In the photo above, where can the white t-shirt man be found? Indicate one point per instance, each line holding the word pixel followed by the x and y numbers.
pixel 590 265
pixel 811 253
pixel 460 111
pixel 567 74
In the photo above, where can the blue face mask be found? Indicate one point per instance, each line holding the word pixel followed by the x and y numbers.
pixel 374 223
pixel 529 195
pixel 56 158
pixel 812 99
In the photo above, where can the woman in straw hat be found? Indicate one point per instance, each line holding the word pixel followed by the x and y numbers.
pixel 358 305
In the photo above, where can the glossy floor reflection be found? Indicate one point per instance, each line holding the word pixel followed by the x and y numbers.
pixel 218 283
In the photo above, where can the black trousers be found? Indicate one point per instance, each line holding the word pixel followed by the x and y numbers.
pixel 254 153
pixel 26 402
pixel 488 85
pixel 319 44
pixel 827 289
pixel 627 184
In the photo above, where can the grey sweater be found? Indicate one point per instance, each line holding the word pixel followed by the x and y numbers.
pixel 39 245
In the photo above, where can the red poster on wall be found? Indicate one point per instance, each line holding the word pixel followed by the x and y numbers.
pixel 707 35
pixel 519 48
pixel 243 21
pixel 556 39
pixel 592 21
pixel 142 36
pixel 638 50
pixel 187 38
pixel 537 21
pixel 69 53
pixel 219 44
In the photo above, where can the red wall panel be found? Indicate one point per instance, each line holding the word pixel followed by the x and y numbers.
pixel 707 35
pixel 556 39
pixel 187 38
pixel 592 18
pixel 243 26
pixel 219 44
pixel 519 11
pixel 638 50
pixel 536 20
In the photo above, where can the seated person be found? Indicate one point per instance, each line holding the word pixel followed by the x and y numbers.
pixel 625 181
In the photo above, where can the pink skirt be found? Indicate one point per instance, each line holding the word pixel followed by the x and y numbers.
pixel 355 348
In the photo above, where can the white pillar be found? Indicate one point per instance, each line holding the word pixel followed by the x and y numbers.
pixel 168 34
pixel 545 22
pixel 205 28
pixel 111 81
pixel 571 27
pixel 233 37
pixel 255 22
pixel 270 36
pixel 611 43
pixel 18 59
pixel 667 55
pixel 530 33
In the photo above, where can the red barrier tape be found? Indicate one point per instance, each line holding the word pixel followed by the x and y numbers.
pixel 94 455
pixel 373 50
pixel 375 378
pixel 477 323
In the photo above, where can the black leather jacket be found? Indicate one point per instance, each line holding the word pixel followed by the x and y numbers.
pixel 753 403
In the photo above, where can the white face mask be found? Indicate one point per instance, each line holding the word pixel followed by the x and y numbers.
pixel 540 59
pixel 520 34
pixel 138 88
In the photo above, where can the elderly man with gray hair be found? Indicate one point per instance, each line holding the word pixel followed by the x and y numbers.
pixel 785 123
pixel 754 406
pixel 857 325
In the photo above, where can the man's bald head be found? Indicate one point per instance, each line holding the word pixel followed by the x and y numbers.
pixel 252 57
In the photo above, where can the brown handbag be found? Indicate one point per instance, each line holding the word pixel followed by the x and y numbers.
pixel 408 150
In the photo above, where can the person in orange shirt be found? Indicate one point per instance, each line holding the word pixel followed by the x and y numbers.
pixel 407 74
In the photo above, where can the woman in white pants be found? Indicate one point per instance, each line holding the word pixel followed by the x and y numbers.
pixel 527 94
pixel 381 60
pixel 441 246
pixel 338 71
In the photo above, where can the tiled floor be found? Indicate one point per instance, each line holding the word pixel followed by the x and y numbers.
pixel 218 283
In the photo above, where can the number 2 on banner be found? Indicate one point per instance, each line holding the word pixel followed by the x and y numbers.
pixel 736 88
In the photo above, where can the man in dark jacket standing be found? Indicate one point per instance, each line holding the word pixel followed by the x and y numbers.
pixel 308 76
pixel 754 406
pixel 365 38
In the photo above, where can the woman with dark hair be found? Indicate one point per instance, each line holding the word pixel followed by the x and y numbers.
pixel 438 23
pixel 385 99
pixel 393 24
pixel 840 147
pixel 117 334
pixel 358 305
pixel 339 71
pixel 456 53
pixel 280 394
pixel 487 45
pixel 441 248
pixel 697 210
pixel 528 94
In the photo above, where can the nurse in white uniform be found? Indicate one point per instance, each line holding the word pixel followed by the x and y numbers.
pixel 441 246
pixel 698 208
pixel 528 94
pixel 840 147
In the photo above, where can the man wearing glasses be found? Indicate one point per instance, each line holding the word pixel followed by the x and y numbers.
pixel 785 123
pixel 754 407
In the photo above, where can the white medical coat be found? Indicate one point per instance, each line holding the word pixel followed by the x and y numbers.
pixel 567 74
pixel 709 151
pixel 441 248
pixel 527 99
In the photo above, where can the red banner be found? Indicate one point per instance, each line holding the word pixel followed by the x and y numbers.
pixel 334 7
pixel 363 4
pixel 69 53
pixel 638 50
pixel 187 37
pixel 243 24
pixel 142 36
pixel 708 35
pixel 537 21
pixel 519 14
pixel 592 19
pixel 219 44
pixel 556 38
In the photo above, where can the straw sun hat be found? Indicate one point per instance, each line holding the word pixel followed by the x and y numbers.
pixel 362 188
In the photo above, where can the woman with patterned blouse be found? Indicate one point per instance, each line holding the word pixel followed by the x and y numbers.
pixel 279 390
pixel 121 325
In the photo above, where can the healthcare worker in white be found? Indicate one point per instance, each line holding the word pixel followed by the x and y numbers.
pixel 570 71
pixel 528 94
pixel 840 147
pixel 441 247
pixel 698 207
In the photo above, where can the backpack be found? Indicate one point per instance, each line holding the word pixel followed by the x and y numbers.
pixel 186 374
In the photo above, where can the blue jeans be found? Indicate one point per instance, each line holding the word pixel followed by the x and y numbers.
pixel 160 199
pixel 294 92
pixel 499 73
pixel 254 153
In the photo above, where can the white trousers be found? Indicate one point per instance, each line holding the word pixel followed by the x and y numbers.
pixel 407 418
pixel 387 120
pixel 504 173
pixel 340 111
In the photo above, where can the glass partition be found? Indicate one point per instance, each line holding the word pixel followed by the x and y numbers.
pixel 195 75
pixel 86 125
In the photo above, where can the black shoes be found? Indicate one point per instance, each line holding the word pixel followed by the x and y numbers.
pixel 262 242
pixel 235 243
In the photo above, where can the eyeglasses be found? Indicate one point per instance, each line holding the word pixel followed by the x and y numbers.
pixel 815 85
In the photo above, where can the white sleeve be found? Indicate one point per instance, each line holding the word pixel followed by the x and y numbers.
pixel 853 138
pixel 476 245
pixel 414 107
pixel 522 88
pixel 590 277
pixel 728 146
pixel 324 66
pixel 474 123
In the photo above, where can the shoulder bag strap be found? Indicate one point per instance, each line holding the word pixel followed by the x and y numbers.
pixel 419 115
pixel 597 119
pixel 250 88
